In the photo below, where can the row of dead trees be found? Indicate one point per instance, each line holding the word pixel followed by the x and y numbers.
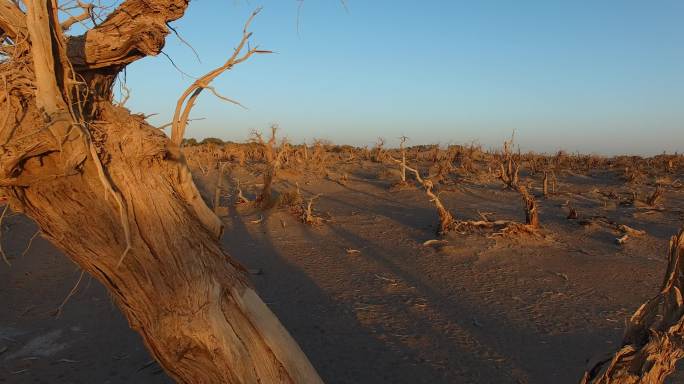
pixel 509 175
pixel 79 165
pixel 653 340
pixel 274 157
pixel 467 161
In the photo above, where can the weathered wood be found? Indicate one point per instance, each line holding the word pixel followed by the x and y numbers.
pixel 654 338
pixel 136 29
pixel 530 206
pixel 12 20
pixel 116 195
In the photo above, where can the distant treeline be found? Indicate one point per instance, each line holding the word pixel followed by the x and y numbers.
pixel 209 140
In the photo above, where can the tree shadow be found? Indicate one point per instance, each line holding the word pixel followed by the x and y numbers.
pixel 491 347
pixel 423 219
pixel 340 348
pixel 90 342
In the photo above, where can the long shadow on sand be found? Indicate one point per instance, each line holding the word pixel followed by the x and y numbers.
pixel 341 349
pixel 500 351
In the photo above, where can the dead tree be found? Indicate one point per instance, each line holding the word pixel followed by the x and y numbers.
pixel 239 196
pixel 545 184
pixel 401 184
pixel 403 158
pixel 273 158
pixel 655 197
pixel 218 191
pixel 379 150
pixel 508 167
pixel 446 220
pixel 318 157
pixel 307 216
pixel 531 209
pixel 115 194
pixel 654 338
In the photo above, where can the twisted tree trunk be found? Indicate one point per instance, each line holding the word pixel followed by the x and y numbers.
pixel 115 194
pixel 654 339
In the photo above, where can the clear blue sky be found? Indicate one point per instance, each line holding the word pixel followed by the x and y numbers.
pixel 595 76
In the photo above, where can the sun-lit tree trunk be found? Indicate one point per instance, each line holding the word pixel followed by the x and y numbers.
pixel 116 195
pixel 403 158
pixel 654 338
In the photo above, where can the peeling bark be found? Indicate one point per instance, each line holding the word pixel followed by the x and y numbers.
pixel 102 184
pixel 136 29
pixel 531 208
pixel 12 20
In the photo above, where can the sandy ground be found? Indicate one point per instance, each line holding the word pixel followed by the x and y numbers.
pixel 475 309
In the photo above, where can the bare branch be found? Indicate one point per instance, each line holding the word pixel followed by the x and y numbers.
pixel 187 100
pixel 58 311
pixel 189 120
pixel 218 95
pixel 126 94
pixel 182 40
pixel 28 246
pixel 87 14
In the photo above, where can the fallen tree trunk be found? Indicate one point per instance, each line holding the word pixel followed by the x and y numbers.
pixel 116 195
pixel 654 339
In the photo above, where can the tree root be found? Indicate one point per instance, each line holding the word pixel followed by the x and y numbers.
pixel 500 228
pixel 628 232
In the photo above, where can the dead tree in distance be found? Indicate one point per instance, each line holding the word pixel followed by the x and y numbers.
pixel 403 158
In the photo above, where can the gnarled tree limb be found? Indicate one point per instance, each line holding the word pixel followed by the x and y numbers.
pixel 136 29
pixel 63 150
pixel 654 339
pixel 187 100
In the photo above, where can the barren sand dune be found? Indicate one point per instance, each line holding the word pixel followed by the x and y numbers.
pixel 365 296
